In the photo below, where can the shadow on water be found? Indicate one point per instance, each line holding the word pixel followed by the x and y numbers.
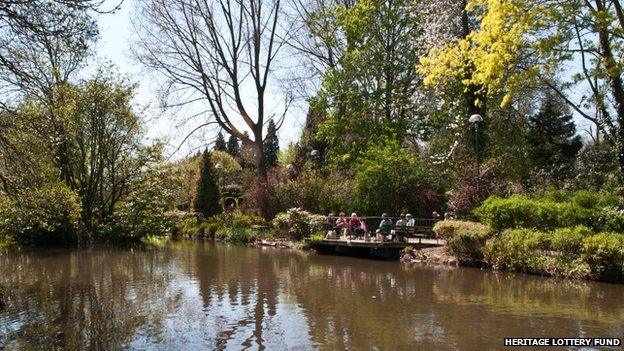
pixel 192 295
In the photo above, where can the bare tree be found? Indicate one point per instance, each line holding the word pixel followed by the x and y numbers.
pixel 219 53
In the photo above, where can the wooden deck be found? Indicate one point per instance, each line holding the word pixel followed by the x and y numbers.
pixel 372 249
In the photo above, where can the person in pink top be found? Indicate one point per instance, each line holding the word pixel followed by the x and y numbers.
pixel 355 225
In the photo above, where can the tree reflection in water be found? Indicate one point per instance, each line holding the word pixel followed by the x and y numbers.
pixel 209 296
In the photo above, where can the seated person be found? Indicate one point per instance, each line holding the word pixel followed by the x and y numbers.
pixel 399 233
pixel 385 226
pixel 341 223
pixel 330 225
pixel 330 221
pixel 409 221
pixel 355 225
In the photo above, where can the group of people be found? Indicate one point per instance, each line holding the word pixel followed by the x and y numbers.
pixel 353 227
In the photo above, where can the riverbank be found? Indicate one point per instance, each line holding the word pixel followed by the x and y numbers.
pixel 430 256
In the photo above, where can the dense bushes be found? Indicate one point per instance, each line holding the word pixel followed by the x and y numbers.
pixel 520 211
pixel 465 240
pixel 392 179
pixel 567 252
pixel 604 253
pixel 48 214
pixel 294 224
pixel 555 209
pixel 516 250
pixel 297 224
pixel 229 227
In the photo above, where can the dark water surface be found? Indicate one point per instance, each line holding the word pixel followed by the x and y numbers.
pixel 201 296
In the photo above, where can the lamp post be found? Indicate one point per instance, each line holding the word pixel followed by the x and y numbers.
pixel 315 156
pixel 476 120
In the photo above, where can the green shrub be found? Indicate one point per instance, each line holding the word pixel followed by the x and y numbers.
pixel 567 266
pixel 522 212
pixel 610 219
pixel 317 237
pixel 6 241
pixel 46 214
pixel 208 229
pixel 236 235
pixel 241 235
pixel 450 229
pixel 295 223
pixel 604 253
pixel 188 227
pixel 386 173
pixel 569 240
pixel 518 250
pixel 465 240
pixel 236 220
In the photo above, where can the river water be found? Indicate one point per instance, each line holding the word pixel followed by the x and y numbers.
pixel 202 296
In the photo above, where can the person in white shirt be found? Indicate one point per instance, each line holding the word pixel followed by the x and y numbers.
pixel 409 221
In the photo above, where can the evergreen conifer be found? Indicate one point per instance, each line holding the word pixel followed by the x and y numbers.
pixel 207 197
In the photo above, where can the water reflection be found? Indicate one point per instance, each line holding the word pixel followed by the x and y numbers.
pixel 206 296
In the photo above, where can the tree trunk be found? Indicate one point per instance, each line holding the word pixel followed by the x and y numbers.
pixel 261 179
pixel 616 85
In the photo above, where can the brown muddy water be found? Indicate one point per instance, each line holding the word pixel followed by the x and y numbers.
pixel 203 296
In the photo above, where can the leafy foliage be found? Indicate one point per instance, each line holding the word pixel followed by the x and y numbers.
pixel 465 240
pixel 579 253
pixel 392 179
pixel 48 214
pixel 604 253
pixel 143 212
pixel 297 224
pixel 368 94
pixel 520 211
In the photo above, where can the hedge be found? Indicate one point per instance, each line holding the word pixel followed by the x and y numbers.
pixel 465 240
pixel 523 212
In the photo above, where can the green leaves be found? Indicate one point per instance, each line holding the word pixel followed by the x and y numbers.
pixel 392 179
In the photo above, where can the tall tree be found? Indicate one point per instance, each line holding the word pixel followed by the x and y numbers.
pixel 39 54
pixel 523 43
pixel 104 153
pixel 233 147
pixel 207 199
pixel 271 145
pixel 219 144
pixel 552 138
pixel 219 52
pixel 369 94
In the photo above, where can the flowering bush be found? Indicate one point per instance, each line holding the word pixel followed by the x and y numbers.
pixel 297 223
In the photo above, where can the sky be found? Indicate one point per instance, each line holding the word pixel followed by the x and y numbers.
pixel 116 36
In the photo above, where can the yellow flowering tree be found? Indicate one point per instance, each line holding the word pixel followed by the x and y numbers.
pixel 572 47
